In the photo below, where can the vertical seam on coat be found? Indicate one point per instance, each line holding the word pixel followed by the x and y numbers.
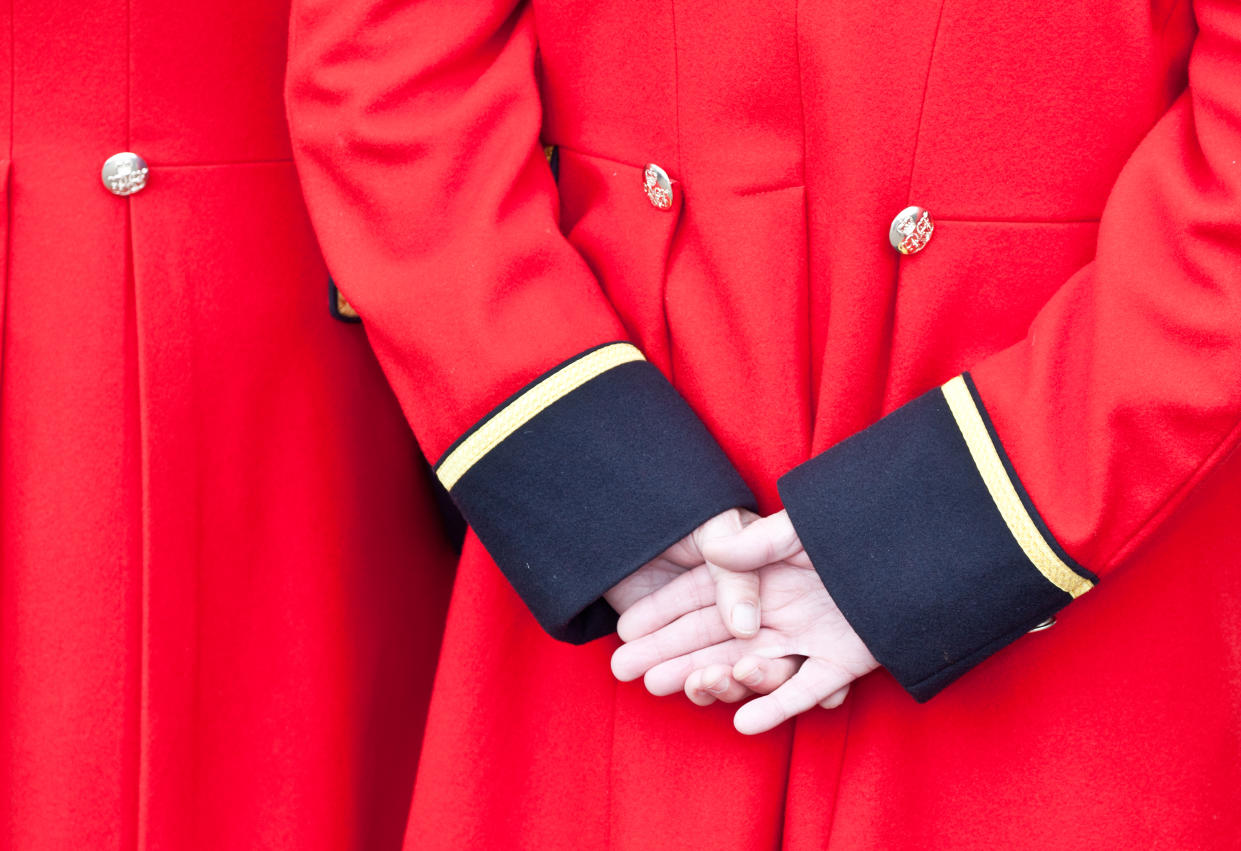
pixel 8 189
pixel 8 262
pixel 680 172
pixel 137 785
pixel 607 806
pixel 909 185
pixel 782 825
pixel 840 769
pixel 12 74
pixel 129 77
pixel 811 390
pixel 811 384
pixel 676 91
pixel 926 89
pixel 141 781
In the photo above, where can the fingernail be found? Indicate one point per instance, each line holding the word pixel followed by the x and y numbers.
pixel 718 685
pixel 753 678
pixel 745 618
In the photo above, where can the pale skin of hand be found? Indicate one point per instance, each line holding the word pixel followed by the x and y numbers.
pixel 676 639
pixel 735 594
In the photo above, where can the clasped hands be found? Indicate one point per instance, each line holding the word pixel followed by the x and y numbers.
pixel 736 609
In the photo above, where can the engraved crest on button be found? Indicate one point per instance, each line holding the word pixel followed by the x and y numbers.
pixel 911 230
pixel 125 173
pixel 658 187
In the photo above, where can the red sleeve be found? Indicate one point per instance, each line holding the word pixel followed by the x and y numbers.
pixel 986 505
pixel 415 131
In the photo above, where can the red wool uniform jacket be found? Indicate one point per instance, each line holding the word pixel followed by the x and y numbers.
pixel 217 542
pixel 1025 398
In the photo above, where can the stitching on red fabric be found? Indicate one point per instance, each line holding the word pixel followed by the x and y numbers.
pixel 752 193
pixel 209 164
pixel 987 221
pixel 597 156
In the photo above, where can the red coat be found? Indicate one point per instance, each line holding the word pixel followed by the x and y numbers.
pixel 1080 163
pixel 221 575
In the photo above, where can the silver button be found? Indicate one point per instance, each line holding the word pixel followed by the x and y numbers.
pixel 125 173
pixel 1047 624
pixel 658 187
pixel 911 230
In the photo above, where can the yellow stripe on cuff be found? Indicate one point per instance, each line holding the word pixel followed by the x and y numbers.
pixel 522 409
pixel 1002 491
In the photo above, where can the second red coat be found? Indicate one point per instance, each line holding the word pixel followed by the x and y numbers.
pixel 221 574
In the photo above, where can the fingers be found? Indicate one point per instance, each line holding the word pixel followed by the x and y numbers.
pixel 723 525
pixel 714 683
pixel 697 630
pixel 763 676
pixel 815 682
pixel 766 540
pixel 736 594
pixel 736 597
pixel 835 698
pixel 757 675
pixel 752 675
pixel 669 677
pixel 692 590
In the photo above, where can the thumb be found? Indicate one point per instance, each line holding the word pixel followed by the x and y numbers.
pixel 767 540
pixel 736 593
pixel 736 596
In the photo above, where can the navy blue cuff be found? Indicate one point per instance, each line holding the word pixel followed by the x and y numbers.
pixel 925 538
pixel 582 477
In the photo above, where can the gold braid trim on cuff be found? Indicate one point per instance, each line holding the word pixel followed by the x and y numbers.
pixel 525 407
pixel 1002 491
